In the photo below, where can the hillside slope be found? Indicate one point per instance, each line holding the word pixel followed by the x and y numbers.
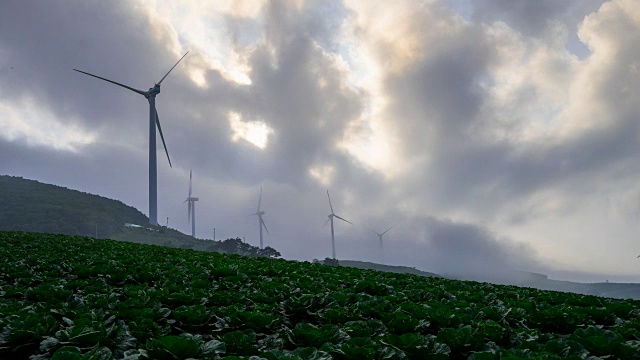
pixel 29 205
pixel 386 268
pixel 520 279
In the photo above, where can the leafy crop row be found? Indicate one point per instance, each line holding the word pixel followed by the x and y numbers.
pixel 79 298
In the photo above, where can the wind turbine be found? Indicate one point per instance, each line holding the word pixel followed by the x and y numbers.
pixel 331 216
pixel 191 205
pixel 154 120
pixel 380 237
pixel 260 220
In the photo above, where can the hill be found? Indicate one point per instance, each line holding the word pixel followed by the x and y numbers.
pixel 29 205
pixel 386 268
pixel 32 206
pixel 518 278
pixel 543 282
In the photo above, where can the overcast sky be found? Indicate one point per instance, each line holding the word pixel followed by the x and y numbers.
pixel 494 133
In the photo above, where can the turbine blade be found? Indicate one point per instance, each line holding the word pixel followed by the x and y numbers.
pixel 144 93
pixel 159 82
pixel 344 219
pixel 265 225
pixel 326 222
pixel 387 230
pixel 190 177
pixel 260 199
pixel 331 206
pixel 162 137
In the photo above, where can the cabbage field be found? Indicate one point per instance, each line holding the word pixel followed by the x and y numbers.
pixel 65 297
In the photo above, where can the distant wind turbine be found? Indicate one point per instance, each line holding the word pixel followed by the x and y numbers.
pixel 261 223
pixel 380 237
pixel 191 205
pixel 331 216
pixel 153 121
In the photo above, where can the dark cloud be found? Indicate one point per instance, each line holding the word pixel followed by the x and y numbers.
pixel 47 40
pixel 439 104
pixel 300 94
pixel 532 18
pixel 451 248
pixel 439 97
pixel 464 249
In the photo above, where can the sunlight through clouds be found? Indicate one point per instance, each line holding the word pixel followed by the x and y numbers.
pixel 204 28
pixel 324 174
pixel 37 126
pixel 254 132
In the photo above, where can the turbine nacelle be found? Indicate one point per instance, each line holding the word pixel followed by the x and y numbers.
pixel 384 232
pixel 331 216
pixel 153 91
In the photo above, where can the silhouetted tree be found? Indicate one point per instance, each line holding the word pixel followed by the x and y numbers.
pixel 331 262
pixel 269 252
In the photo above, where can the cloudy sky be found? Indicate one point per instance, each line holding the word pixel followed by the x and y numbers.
pixel 494 133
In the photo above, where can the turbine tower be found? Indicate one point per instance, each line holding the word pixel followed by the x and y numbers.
pixel 261 223
pixel 331 216
pixel 191 205
pixel 380 238
pixel 154 120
